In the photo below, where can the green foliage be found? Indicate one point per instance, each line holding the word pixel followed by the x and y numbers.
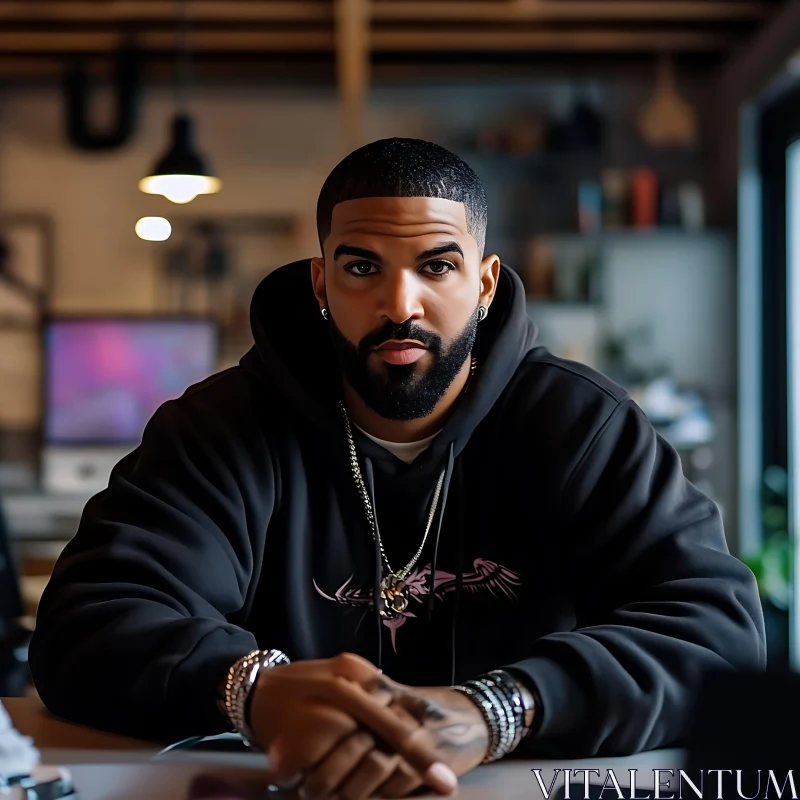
pixel 772 564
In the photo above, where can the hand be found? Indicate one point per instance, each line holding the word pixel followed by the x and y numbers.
pixel 357 767
pixel 458 728
pixel 301 712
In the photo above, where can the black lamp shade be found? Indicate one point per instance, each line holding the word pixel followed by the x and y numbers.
pixel 181 173
pixel 182 158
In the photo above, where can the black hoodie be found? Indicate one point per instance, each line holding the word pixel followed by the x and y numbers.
pixel 569 547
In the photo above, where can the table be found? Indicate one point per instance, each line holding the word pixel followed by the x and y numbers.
pixel 110 767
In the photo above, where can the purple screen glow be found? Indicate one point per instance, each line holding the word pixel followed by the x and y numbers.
pixel 106 378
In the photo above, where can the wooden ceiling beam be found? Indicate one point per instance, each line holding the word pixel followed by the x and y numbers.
pixel 750 70
pixel 549 41
pixel 352 68
pixel 121 11
pixel 408 40
pixel 100 42
pixel 580 11
pixel 238 12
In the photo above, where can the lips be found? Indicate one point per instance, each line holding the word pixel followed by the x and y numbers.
pixel 405 352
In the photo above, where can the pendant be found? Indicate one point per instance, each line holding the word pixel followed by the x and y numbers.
pixel 393 601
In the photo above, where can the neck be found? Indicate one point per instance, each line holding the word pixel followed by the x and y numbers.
pixel 393 430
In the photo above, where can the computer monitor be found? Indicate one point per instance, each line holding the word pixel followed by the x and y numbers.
pixel 104 377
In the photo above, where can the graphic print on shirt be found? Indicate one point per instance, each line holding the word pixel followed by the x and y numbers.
pixel 485 576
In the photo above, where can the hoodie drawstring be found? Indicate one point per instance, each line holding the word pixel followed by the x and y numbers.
pixel 459 569
pixel 370 481
pixel 448 474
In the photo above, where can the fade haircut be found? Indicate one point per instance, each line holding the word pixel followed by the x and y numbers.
pixel 404 168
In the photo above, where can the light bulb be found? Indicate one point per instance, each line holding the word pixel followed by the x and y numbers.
pixel 179 188
pixel 153 229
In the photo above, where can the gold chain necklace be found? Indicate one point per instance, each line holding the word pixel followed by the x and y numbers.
pixel 392 601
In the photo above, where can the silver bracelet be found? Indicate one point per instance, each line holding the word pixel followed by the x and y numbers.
pixel 507 707
pixel 490 717
pixel 513 692
pixel 526 702
pixel 239 683
pixel 512 723
pixel 497 714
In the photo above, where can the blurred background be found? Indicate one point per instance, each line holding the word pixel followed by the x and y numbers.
pixel 158 158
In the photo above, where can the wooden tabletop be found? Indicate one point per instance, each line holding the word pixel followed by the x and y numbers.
pixel 105 765
pixel 32 719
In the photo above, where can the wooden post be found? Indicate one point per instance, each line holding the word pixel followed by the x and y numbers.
pixel 352 63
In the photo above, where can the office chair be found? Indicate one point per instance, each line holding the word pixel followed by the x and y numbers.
pixel 13 637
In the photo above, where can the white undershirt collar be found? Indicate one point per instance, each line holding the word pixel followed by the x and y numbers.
pixel 405 451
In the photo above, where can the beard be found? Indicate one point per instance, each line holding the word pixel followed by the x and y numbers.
pixel 404 391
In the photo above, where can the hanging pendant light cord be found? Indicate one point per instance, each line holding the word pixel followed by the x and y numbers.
pixel 183 59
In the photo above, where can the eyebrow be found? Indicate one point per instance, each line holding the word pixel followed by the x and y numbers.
pixel 440 250
pixel 358 252
pixel 361 252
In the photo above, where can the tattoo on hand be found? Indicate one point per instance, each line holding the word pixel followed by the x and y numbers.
pixel 453 730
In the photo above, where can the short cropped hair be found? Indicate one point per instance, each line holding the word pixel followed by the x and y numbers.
pixel 404 168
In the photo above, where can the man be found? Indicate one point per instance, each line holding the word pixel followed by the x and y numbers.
pixel 546 579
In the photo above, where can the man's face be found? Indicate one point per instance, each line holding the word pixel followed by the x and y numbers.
pixel 402 280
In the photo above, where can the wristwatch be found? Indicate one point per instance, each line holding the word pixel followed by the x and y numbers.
pixel 239 683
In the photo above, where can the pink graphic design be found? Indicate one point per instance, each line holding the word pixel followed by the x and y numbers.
pixel 485 576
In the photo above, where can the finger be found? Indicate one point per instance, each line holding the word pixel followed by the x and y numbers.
pixel 373 771
pixel 354 668
pixel 383 690
pixel 402 782
pixel 409 740
pixel 405 779
pixel 299 747
pixel 345 665
pixel 326 777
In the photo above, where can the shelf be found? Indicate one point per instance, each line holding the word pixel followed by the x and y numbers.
pixel 663 161
pixel 627 234
pixel 562 160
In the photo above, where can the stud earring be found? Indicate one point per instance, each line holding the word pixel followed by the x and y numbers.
pixel 483 312
pixel 325 314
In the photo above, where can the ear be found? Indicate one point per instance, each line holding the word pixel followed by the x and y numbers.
pixel 318 281
pixel 490 274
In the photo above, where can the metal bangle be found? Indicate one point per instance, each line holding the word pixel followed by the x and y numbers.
pixel 499 718
pixel 512 728
pixel 513 722
pixel 493 719
pixel 487 710
pixel 239 683
pixel 529 701
pixel 513 696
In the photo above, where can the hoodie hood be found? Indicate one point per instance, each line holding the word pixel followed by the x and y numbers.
pixel 294 356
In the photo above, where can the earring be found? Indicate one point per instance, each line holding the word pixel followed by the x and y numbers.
pixel 325 314
pixel 483 312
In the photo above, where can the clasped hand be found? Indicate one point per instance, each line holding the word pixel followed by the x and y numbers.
pixel 344 730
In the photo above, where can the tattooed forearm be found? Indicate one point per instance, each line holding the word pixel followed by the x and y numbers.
pixel 454 725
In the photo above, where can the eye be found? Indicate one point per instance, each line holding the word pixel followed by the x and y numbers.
pixel 439 269
pixel 361 268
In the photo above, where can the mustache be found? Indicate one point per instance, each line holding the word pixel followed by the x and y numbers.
pixel 405 330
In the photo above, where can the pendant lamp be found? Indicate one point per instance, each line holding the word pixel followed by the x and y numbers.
pixel 181 173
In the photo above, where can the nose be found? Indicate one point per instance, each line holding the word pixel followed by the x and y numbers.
pixel 400 296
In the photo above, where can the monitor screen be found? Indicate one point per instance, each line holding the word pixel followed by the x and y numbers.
pixel 104 378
